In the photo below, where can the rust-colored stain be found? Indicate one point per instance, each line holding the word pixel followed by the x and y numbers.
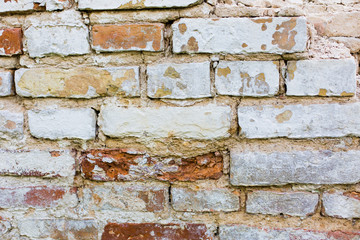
pixel 153 231
pixel 11 41
pixel 55 153
pixel 262 20
pixel 208 166
pixel 10 125
pixel 182 28
pixel 223 72
pixel 279 106
pixel 291 69
pixel 154 200
pixel 285 116
pixel 244 45
pixel 347 94
pixel 257 84
pixel 285 39
pixel 128 37
pixel 192 45
pixel 263 47
pixel 322 92
pixel 10 1
pixel 38 7
pixel 73 82
pixel 162 91
pixel 120 165
pixel 131 5
pixel 355 195
pixel 1 81
pixel 171 73
pixel 264 27
pixel 43 196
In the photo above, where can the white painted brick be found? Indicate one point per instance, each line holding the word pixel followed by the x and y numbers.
pixel 299 121
pixel 134 4
pixel 203 122
pixel 302 167
pixel 247 78
pixel 341 205
pixel 77 82
pixel 63 123
pixel 240 35
pixel 327 77
pixel 61 40
pixel 299 204
pixel 11 124
pixel 30 5
pixel 242 232
pixel 187 200
pixel 46 164
pixel 6 83
pixel 179 81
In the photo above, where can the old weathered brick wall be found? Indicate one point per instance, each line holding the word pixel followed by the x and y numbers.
pixel 179 119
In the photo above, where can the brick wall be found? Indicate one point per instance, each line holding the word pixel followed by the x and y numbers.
pixel 191 119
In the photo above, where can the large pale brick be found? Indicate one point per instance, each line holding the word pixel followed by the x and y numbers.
pixel 77 82
pixel 6 83
pixel 10 41
pixel 77 123
pixel 11 123
pixel 327 77
pixel 61 40
pixel 204 122
pixel 342 24
pixel 299 204
pixel 84 229
pixel 250 78
pixel 242 232
pixel 302 167
pixel 37 197
pixel 131 4
pixel 299 121
pixel 341 204
pixel 187 200
pixel 46 164
pixel 152 231
pixel 126 197
pixel 179 81
pixel 31 5
pixel 240 35
pixel 128 37
pixel 129 165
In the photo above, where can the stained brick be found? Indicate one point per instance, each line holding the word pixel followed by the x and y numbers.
pixel 11 124
pixel 341 204
pixel 10 41
pixel 123 164
pixel 153 231
pixel 6 83
pixel 33 5
pixel 128 37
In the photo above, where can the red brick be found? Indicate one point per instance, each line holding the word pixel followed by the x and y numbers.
pixel 128 37
pixel 10 41
pixel 123 164
pixel 152 231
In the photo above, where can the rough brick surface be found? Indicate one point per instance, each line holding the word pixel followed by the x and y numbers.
pixel 37 197
pixel 11 124
pixel 63 123
pixel 299 121
pixel 179 81
pixel 242 232
pixel 321 77
pixel 236 35
pixel 78 82
pixel 59 229
pixel 247 78
pixel 62 40
pixel 37 163
pixel 152 231
pixel 10 41
pixel 6 83
pixel 307 167
pixel 129 165
pixel 128 37
pixel 342 24
pixel 31 5
pixel 187 200
pixel 130 4
pixel 128 197
pixel 341 204
pixel 195 122
pixel 299 204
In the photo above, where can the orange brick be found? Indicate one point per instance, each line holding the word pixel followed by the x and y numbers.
pixel 10 41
